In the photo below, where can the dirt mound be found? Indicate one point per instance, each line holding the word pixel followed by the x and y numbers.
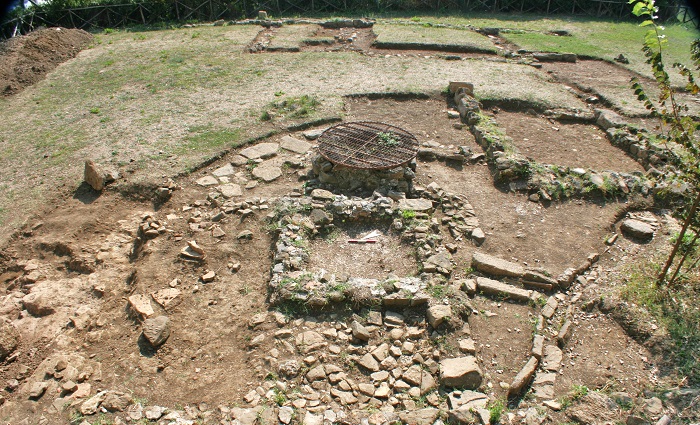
pixel 25 60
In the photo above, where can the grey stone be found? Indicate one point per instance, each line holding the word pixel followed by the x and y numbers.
pixel 141 305
pixel 295 145
pixel 261 150
pixel 230 190
pixel 37 390
pixel 154 413
pixel 322 195
pixel 467 346
pixel 538 346
pixel 653 406
pixel 460 372
pixel 637 229
pixel 463 416
pixel 94 176
pixel 496 266
pixel 552 358
pixel 369 362
pixel 442 261
pixel 417 205
pixel 224 171
pixel 116 401
pixel 549 308
pixel 494 287
pixel 468 399
pixel 308 338
pixel 358 331
pixel 523 378
pixel 9 339
pixel 167 297
pixel 313 134
pixel 89 406
pixel 239 160
pixel 156 330
pixel 289 369
pixel 426 416
pixel 478 236
pixel 607 119
pixel 38 304
pixel 437 314
pixel 316 374
pixel 564 333
pixel 594 408
pixel 415 375
pixel 285 414
pixel 207 181
pixel 267 172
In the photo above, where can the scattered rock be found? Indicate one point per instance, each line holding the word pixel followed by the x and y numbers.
pixel 267 173
pixel 224 171
pixel 207 181
pixel 230 190
pixel 417 205
pixel 552 358
pixel 89 406
pixel 369 362
pixel 594 408
pixel 437 314
pixel 9 339
pixel 166 297
pixel 496 266
pixel 156 330
pixel 37 390
pixel 460 372
pixel 261 150
pixel 94 176
pixel 141 305
pixel 494 287
pixel 359 332
pixel 313 134
pixel 116 401
pixel 295 145
pixel 637 229
pixel 478 236
pixel 523 378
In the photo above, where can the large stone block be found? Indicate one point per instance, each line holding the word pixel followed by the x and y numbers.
pixel 461 372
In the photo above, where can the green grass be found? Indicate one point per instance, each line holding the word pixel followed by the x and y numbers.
pixel 674 308
pixel 208 138
pixel 417 35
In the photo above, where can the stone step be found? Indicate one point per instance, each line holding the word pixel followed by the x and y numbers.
pixel 494 287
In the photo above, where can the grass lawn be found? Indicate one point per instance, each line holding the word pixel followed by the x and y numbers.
pixel 398 34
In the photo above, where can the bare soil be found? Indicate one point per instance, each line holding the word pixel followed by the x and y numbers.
pixel 552 142
pixel 89 264
pixel 26 59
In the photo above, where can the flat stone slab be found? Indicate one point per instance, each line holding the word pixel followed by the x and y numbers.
pixel 494 287
pixel 226 170
pixel 230 190
pixel 461 372
pixel 267 173
pixel 313 134
pixel 207 181
pixel 295 145
pixel 261 150
pixel 496 266
pixel 637 229
pixel 417 205
pixel 524 377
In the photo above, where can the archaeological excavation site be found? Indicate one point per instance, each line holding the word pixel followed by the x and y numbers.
pixel 432 255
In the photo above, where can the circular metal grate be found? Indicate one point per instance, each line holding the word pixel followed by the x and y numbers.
pixel 367 145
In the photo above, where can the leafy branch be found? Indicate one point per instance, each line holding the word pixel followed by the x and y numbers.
pixel 678 127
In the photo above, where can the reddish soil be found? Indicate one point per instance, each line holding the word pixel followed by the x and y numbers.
pixel 26 59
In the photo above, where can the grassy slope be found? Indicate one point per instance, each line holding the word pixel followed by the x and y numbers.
pixel 388 33
pixel 161 101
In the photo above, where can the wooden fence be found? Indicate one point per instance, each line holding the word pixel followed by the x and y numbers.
pixel 151 12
